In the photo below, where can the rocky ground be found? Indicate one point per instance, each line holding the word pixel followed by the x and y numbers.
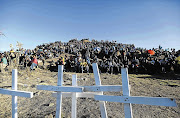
pixel 44 105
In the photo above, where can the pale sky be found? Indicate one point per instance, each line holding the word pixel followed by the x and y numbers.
pixel 144 23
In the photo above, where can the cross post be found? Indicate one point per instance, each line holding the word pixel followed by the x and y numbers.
pixel 59 94
pixel 126 92
pixel 98 83
pixel 14 93
pixel 128 100
pixel 60 89
pixel 74 100
pixel 14 98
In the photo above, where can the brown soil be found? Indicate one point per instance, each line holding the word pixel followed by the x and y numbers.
pixel 44 105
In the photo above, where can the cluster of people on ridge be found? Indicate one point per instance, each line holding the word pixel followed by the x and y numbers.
pixel 110 57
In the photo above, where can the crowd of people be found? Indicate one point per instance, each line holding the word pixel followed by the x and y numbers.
pixel 78 56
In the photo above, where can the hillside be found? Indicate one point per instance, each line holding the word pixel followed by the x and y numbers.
pixel 44 105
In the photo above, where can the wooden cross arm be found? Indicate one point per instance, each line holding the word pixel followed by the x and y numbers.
pixel 80 95
pixel 160 101
pixel 103 88
pixel 16 93
pixel 60 88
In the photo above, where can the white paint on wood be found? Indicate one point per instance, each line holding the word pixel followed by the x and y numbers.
pixel 96 74
pixel 128 110
pixel 158 101
pixel 98 82
pixel 58 104
pixel 87 94
pixel 74 80
pixel 125 82
pixel 110 88
pixel 74 100
pixel 126 92
pixel 16 93
pixel 103 88
pixel 60 88
pixel 59 94
pixel 78 94
pixel 60 75
pixel 14 98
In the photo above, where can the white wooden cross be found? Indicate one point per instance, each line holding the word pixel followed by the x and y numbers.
pixel 87 91
pixel 128 100
pixel 98 82
pixel 14 93
pixel 59 89
pixel 76 95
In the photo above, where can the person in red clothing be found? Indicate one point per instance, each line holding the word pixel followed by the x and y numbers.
pixel 34 62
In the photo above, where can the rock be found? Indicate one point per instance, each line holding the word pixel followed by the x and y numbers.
pixel 84 79
pixel 45 105
pixel 51 104
pixel 42 81
pixel 33 86
pixel 159 96
pixel 49 116
pixel 36 93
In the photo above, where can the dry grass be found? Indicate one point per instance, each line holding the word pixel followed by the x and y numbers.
pixel 43 104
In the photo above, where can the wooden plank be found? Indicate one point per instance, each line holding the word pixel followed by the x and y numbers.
pixel 110 88
pixel 78 95
pixel 14 97
pixel 157 101
pixel 58 104
pixel 98 83
pixel 103 88
pixel 16 93
pixel 59 94
pixel 74 100
pixel 88 94
pixel 96 74
pixel 60 75
pixel 60 88
pixel 126 92
pixel 125 82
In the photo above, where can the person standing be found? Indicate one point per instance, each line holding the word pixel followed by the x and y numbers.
pixel 34 62
pixel 3 62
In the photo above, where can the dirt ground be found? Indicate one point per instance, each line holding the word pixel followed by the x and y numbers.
pixel 44 105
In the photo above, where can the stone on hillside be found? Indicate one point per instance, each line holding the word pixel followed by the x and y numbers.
pixel 49 116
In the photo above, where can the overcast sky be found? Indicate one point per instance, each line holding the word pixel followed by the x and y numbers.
pixel 144 23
